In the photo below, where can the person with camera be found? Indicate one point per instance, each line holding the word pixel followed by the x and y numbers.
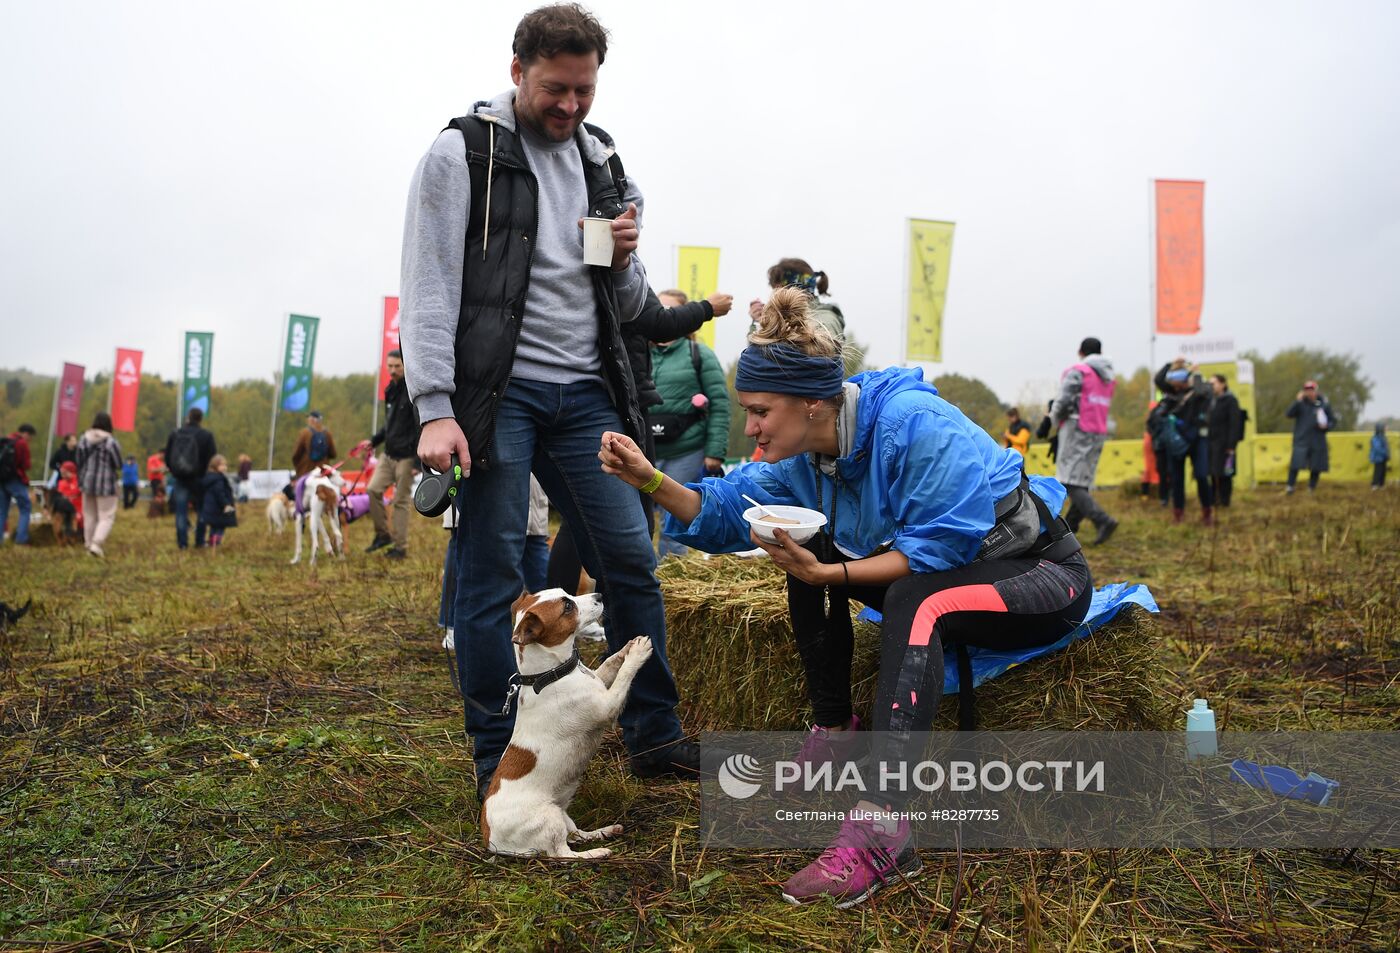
pixel 1312 417
pixel 690 427
pixel 1181 421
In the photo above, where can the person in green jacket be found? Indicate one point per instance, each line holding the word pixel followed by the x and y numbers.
pixel 691 424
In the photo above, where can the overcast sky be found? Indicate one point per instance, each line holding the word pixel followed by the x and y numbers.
pixel 196 166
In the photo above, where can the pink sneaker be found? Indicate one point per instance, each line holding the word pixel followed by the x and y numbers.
pixel 861 860
pixel 823 745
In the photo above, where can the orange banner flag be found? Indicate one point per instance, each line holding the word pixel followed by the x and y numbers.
pixel 1180 256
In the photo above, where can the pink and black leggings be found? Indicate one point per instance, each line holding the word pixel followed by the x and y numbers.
pixel 996 604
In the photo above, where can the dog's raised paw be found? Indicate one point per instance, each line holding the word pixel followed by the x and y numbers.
pixel 640 647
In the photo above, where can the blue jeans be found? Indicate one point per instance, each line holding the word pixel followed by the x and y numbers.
pixel 555 430
pixel 534 568
pixel 19 492
pixel 181 496
pixel 685 468
pixel 1199 455
pixel 534 564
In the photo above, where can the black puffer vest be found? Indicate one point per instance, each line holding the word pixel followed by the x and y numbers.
pixel 496 277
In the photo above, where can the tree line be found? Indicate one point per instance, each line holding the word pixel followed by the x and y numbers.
pixel 240 413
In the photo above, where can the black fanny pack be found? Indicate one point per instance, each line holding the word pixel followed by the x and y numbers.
pixel 668 427
pixel 1017 533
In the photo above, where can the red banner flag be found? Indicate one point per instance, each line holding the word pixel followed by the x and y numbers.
pixel 1180 256
pixel 388 340
pixel 126 384
pixel 70 397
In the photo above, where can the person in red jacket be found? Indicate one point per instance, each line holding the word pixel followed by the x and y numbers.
pixel 14 481
pixel 155 473
pixel 66 501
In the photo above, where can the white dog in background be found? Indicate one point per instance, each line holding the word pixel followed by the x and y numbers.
pixel 563 708
pixel 320 501
pixel 277 509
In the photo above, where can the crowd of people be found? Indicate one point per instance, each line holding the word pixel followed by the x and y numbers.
pixel 529 368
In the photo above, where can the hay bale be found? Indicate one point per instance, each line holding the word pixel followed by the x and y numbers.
pixel 737 667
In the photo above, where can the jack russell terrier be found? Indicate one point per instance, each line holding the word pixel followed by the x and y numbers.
pixel 564 708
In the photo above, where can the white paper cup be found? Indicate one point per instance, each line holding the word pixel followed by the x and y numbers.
pixel 597 241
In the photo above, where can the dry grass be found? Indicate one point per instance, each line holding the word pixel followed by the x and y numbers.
pixel 237 754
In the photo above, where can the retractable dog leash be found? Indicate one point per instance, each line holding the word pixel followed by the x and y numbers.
pixel 437 491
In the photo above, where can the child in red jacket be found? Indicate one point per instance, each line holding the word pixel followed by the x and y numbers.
pixel 66 501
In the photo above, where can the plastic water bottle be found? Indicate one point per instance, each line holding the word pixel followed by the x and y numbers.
pixel 1200 731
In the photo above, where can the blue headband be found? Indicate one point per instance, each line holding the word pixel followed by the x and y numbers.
pixel 783 369
pixel 1180 375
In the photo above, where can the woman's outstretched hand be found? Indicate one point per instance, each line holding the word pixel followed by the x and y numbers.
pixel 624 459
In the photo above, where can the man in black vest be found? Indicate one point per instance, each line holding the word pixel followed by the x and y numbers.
pixel 397 464
pixel 514 359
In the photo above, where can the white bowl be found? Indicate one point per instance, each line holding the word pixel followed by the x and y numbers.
pixel 808 522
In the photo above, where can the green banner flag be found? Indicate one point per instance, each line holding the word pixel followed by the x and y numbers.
pixel 296 365
pixel 199 349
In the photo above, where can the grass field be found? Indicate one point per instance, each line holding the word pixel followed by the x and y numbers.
pixel 231 753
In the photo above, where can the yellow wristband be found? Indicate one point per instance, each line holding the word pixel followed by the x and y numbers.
pixel 654 484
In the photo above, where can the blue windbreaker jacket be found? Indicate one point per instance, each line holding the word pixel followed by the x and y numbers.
pixel 921 478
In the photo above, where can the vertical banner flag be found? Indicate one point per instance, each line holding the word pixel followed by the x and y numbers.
pixel 930 255
pixel 1180 256
pixel 199 351
pixel 296 366
pixel 126 387
pixel 388 341
pixel 697 274
pixel 70 396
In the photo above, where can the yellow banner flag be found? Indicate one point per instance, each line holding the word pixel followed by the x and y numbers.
pixel 697 274
pixel 930 254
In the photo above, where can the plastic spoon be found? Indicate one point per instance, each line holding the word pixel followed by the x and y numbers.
pixel 766 514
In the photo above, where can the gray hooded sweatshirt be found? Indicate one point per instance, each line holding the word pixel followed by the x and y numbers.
pixel 559 334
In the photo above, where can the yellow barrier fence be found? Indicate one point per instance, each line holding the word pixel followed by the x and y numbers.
pixel 1348 453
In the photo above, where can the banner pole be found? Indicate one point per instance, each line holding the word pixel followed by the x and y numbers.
pixel 378 363
pixel 53 422
pixel 276 394
pixel 111 386
pixel 180 383
pixel 904 293
pixel 1151 287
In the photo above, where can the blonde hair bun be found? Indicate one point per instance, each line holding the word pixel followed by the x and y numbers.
pixel 787 319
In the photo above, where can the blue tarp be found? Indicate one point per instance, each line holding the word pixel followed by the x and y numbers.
pixel 987 664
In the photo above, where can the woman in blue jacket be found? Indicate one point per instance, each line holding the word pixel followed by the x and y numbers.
pixel 928 520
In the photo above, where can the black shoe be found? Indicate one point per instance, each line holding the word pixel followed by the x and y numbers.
pixel 380 541
pixel 680 760
pixel 396 553
pixel 1105 531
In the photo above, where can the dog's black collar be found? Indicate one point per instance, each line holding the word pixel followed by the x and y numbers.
pixel 541 681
